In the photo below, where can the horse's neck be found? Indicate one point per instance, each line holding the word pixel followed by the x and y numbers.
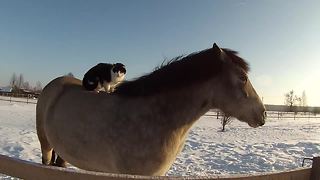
pixel 181 108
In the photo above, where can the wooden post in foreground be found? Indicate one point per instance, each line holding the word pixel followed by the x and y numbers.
pixel 315 171
pixel 30 170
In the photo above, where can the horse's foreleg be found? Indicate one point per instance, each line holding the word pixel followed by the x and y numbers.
pixel 53 158
pixel 48 156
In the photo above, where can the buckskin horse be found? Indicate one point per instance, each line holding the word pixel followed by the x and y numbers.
pixel 142 126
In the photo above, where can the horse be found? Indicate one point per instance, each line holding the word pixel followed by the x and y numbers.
pixel 141 127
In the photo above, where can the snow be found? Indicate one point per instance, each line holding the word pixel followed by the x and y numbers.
pixel 278 145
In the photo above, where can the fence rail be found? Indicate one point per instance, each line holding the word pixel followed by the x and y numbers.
pixel 29 170
pixel 274 115
pixel 292 115
pixel 271 114
pixel 16 97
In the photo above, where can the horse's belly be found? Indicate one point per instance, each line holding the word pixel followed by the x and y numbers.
pixel 92 152
pixel 77 148
pixel 90 142
pixel 78 139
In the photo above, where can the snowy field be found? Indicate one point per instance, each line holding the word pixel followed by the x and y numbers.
pixel 278 145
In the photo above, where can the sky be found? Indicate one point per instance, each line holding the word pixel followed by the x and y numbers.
pixel 280 39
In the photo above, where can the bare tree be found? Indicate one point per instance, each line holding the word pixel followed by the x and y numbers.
pixel 291 99
pixel 26 85
pixel 299 101
pixel 20 81
pixel 304 102
pixel 38 87
pixel 13 80
pixel 225 121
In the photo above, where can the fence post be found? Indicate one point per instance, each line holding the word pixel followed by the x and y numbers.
pixel 315 171
pixel 308 115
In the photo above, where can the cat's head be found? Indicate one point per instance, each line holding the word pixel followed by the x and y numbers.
pixel 119 69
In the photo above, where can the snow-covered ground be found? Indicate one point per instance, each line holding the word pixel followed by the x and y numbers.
pixel 278 145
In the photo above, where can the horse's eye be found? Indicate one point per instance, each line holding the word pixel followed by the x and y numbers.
pixel 243 78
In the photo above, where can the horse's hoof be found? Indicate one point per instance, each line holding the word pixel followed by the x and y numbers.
pixel 46 162
pixel 60 162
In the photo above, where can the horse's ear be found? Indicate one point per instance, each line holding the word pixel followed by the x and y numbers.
pixel 219 51
pixel 215 46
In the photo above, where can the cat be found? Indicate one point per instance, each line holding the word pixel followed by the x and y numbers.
pixel 104 76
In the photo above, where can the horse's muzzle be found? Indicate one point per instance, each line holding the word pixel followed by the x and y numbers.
pixel 264 116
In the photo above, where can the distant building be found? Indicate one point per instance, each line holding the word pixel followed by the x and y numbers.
pixel 6 89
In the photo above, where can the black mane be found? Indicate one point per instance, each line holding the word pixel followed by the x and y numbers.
pixel 180 72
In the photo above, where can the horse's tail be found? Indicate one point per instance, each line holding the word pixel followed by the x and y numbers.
pixel 90 84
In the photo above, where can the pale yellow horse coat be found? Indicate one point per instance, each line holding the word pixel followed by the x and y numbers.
pixel 135 135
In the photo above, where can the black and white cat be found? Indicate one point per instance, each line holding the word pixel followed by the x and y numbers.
pixel 104 75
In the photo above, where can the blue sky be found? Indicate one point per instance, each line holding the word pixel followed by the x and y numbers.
pixel 279 38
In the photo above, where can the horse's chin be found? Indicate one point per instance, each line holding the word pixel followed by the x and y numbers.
pixel 255 124
pixel 250 122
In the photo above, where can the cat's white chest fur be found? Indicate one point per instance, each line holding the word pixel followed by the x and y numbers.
pixel 116 78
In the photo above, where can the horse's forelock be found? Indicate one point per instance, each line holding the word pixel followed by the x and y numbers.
pixel 233 55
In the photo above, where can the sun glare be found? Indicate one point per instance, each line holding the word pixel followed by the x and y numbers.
pixel 311 85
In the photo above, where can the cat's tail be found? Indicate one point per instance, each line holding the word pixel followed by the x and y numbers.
pixel 90 84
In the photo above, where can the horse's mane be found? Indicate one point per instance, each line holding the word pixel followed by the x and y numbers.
pixel 233 55
pixel 179 72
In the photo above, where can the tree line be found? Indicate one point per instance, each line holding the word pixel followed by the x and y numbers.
pixel 19 84
pixel 292 99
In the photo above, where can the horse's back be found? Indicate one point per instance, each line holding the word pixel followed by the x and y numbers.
pixel 52 91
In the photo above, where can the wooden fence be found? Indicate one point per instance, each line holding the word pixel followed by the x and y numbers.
pixel 17 97
pixel 292 115
pixel 279 115
pixel 272 114
pixel 29 170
